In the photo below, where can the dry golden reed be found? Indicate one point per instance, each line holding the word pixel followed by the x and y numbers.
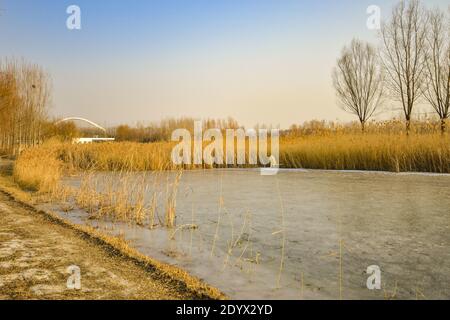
pixel 128 197
pixel 123 156
pixel 379 152
pixel 38 169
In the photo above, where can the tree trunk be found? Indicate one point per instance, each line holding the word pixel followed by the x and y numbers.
pixel 408 126
pixel 443 126
pixel 363 126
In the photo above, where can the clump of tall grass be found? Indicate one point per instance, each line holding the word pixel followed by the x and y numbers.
pixel 129 197
pixel 38 169
pixel 172 189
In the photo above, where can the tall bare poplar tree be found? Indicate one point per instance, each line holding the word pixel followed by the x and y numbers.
pixel 358 80
pixel 403 54
pixel 436 89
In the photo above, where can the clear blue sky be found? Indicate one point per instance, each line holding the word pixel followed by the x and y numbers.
pixel 259 61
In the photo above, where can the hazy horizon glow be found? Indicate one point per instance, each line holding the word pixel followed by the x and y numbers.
pixel 258 61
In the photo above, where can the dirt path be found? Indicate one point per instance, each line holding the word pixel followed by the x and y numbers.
pixel 35 254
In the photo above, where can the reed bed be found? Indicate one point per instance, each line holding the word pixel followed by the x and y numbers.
pixel 131 198
pixel 122 156
pixel 378 152
pixel 123 196
pixel 40 168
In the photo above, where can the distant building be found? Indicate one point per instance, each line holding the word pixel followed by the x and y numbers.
pixel 91 140
pixel 87 140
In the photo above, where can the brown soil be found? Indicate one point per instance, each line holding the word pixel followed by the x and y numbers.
pixel 36 252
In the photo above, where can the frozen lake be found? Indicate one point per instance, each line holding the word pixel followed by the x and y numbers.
pixel 303 234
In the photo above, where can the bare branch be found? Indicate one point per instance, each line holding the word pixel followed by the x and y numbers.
pixel 403 54
pixel 358 80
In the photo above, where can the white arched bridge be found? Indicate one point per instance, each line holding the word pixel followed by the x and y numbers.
pixel 82 119
pixel 92 123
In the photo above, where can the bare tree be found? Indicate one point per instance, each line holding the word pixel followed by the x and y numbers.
pixel 403 54
pixel 358 80
pixel 436 89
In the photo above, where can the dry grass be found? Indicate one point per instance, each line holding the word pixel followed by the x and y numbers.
pixel 427 152
pixel 132 199
pixel 380 152
pixel 38 169
pixel 171 191
pixel 137 198
pixel 123 156
pixel 41 168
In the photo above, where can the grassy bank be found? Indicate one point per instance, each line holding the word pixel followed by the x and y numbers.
pixel 124 259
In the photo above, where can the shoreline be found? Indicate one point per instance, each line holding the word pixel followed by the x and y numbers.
pixel 294 170
pixel 169 274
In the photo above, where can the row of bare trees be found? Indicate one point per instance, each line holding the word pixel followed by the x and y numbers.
pixel 24 101
pixel 162 131
pixel 413 64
